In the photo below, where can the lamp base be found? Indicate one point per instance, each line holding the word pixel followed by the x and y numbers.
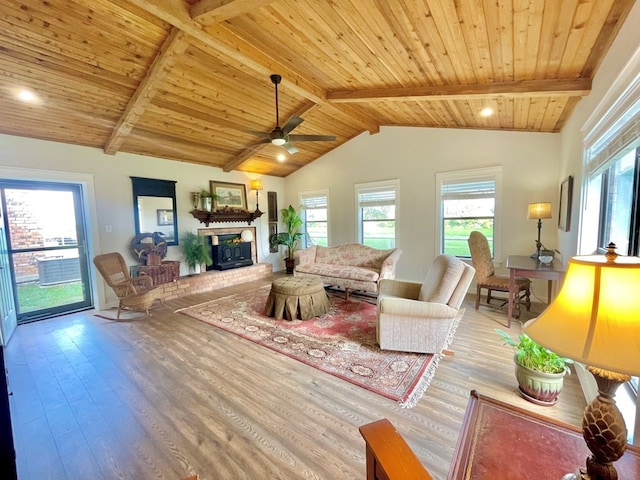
pixel 603 429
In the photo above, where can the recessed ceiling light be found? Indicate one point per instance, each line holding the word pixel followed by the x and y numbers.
pixel 486 112
pixel 26 96
pixel 281 157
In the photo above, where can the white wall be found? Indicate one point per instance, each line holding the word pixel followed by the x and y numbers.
pixel 414 156
pixel 618 68
pixel 109 191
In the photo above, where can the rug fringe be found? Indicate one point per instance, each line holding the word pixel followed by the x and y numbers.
pixel 423 384
pixel 425 380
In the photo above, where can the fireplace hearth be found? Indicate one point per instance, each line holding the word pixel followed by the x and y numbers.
pixel 231 252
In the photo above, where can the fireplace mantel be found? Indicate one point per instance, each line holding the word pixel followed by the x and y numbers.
pixel 225 217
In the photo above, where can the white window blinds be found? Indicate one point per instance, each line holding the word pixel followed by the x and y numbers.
pixel 314 201
pixel 468 190
pixel 370 197
pixel 617 133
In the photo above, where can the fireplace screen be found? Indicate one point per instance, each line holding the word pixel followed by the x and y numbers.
pixel 231 252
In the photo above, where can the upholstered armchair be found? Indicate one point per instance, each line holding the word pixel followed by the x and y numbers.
pixel 134 293
pixel 422 317
pixel 486 277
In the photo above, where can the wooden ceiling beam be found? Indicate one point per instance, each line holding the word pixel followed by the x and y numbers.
pixel 524 88
pixel 214 11
pixel 248 152
pixel 216 36
pixel 174 45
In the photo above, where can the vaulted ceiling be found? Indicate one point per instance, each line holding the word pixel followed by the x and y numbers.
pixel 189 80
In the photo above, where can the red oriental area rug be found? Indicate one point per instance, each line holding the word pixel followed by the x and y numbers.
pixel 341 343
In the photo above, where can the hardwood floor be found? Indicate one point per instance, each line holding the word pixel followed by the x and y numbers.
pixel 167 396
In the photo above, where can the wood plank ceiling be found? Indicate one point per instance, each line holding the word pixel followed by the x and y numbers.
pixel 189 80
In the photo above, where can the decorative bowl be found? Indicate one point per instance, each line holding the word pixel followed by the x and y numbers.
pixel 545 259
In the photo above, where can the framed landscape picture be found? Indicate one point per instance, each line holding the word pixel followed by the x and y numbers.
pixel 229 195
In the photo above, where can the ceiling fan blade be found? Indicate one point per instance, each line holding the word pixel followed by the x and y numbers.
pixel 290 147
pixel 292 123
pixel 312 138
pixel 266 135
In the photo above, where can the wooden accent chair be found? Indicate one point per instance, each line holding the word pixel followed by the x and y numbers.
pixel 486 277
pixel 388 455
pixel 422 316
pixel 134 293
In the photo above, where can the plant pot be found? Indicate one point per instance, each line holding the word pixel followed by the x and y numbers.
pixel 539 387
pixel 290 264
pixel 206 203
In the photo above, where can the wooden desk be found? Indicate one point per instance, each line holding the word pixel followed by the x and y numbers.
pixel 499 441
pixel 523 266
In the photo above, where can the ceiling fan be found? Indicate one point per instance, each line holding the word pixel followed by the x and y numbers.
pixel 282 136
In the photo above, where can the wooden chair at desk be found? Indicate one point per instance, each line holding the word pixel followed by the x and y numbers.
pixel 486 277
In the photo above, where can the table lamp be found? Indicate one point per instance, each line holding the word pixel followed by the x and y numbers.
pixel 257 186
pixel 539 211
pixel 595 320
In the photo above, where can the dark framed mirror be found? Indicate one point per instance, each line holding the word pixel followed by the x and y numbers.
pixel 154 207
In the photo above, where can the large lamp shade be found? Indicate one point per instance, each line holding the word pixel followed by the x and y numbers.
pixel 595 319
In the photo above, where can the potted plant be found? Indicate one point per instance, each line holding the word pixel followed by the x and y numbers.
pixel 195 251
pixel 206 198
pixel 539 371
pixel 291 237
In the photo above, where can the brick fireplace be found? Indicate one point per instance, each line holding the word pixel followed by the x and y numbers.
pixel 212 280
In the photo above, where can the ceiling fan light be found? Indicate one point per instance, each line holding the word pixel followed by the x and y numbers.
pixel 278 141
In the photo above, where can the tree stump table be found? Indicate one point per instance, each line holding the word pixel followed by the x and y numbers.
pixel 297 297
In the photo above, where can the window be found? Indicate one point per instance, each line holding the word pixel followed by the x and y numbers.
pixel 376 204
pixel 611 210
pixel 314 213
pixel 467 201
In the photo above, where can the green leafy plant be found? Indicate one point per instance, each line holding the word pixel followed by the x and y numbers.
pixel 291 237
pixel 194 249
pixel 534 356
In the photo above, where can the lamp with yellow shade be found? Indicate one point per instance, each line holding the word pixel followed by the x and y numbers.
pixel 595 320
pixel 257 186
pixel 539 211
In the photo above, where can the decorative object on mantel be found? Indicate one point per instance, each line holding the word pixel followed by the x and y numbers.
pixel 257 186
pixel 149 248
pixel 195 200
pixel 195 251
pixel 538 211
pixel 206 199
pixel 290 238
pixel 246 236
pixel 595 320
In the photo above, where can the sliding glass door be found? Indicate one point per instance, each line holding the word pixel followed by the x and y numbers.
pixel 47 248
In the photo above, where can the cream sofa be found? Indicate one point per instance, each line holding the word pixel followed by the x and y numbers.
pixel 351 266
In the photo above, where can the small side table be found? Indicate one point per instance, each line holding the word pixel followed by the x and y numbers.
pixel 297 297
pixel 498 440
